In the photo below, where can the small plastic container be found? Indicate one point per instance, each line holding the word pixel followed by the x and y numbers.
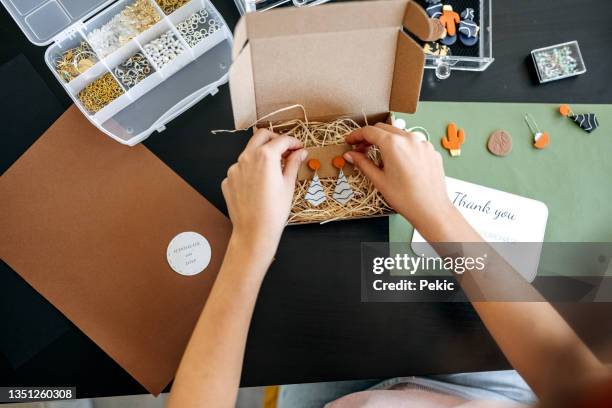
pixel 129 110
pixel 558 61
pixel 463 58
pixel 246 6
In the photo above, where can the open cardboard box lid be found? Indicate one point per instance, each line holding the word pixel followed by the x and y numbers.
pixel 341 59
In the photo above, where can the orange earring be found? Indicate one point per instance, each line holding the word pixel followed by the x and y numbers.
pixel 540 139
pixel 315 194
pixel 453 140
pixel 343 191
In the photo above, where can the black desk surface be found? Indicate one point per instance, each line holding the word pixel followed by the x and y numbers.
pixel 309 324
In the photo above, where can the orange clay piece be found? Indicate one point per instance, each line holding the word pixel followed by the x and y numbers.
pixel 314 164
pixel 453 140
pixel 449 19
pixel 541 140
pixel 338 162
pixel 565 110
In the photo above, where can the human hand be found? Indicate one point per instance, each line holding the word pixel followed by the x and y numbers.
pixel 259 191
pixel 411 178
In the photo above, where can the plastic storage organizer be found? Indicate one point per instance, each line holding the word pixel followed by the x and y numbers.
pixel 190 61
pixel 462 58
pixel 474 58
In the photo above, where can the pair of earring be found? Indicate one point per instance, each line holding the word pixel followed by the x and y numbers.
pixel 468 30
pixel 316 193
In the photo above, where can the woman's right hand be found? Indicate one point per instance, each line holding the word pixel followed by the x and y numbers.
pixel 411 178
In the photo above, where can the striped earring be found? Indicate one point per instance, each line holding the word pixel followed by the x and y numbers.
pixel 315 194
pixel 343 191
pixel 587 121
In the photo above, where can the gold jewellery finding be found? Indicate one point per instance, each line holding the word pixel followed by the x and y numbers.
pixel 170 6
pixel 100 93
pixel 75 61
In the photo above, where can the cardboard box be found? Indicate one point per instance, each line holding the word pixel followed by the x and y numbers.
pixel 350 59
pixel 340 59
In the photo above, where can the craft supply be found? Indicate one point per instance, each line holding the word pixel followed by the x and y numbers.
pixel 558 61
pixel 448 40
pixel 540 139
pixel 417 131
pixel 587 121
pixel 198 26
pixel 438 49
pixel 449 19
pixel 75 61
pixel 86 222
pixel 434 8
pixel 124 26
pixel 398 122
pixel 474 26
pixel 325 155
pixel 366 201
pixel 81 40
pixel 247 6
pixel 100 93
pixel 133 70
pixel 468 29
pixel 170 6
pixel 453 140
pixel 315 194
pixel 164 49
pixel 343 191
pixel 500 143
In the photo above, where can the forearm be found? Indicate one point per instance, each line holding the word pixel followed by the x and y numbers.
pixel 209 373
pixel 532 335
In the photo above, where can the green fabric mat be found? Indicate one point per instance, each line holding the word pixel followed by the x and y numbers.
pixel 572 176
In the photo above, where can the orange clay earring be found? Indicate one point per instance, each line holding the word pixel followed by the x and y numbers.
pixel 315 194
pixel 540 139
pixel 343 191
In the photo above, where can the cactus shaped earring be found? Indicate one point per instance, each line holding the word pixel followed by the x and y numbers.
pixel 453 140
pixel 343 191
pixel 315 194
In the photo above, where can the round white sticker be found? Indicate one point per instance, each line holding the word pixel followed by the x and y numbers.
pixel 188 253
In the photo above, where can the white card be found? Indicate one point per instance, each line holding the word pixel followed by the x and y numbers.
pixel 499 217
pixel 188 253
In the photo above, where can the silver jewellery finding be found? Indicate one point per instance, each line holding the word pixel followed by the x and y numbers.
pixel 164 49
pixel 133 70
pixel 198 26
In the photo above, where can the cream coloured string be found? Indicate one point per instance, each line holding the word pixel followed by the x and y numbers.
pixel 287 108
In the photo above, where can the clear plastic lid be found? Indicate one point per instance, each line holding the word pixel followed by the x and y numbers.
pixel 246 6
pixel 42 20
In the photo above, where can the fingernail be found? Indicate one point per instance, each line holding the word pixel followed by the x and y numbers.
pixel 348 157
pixel 303 155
